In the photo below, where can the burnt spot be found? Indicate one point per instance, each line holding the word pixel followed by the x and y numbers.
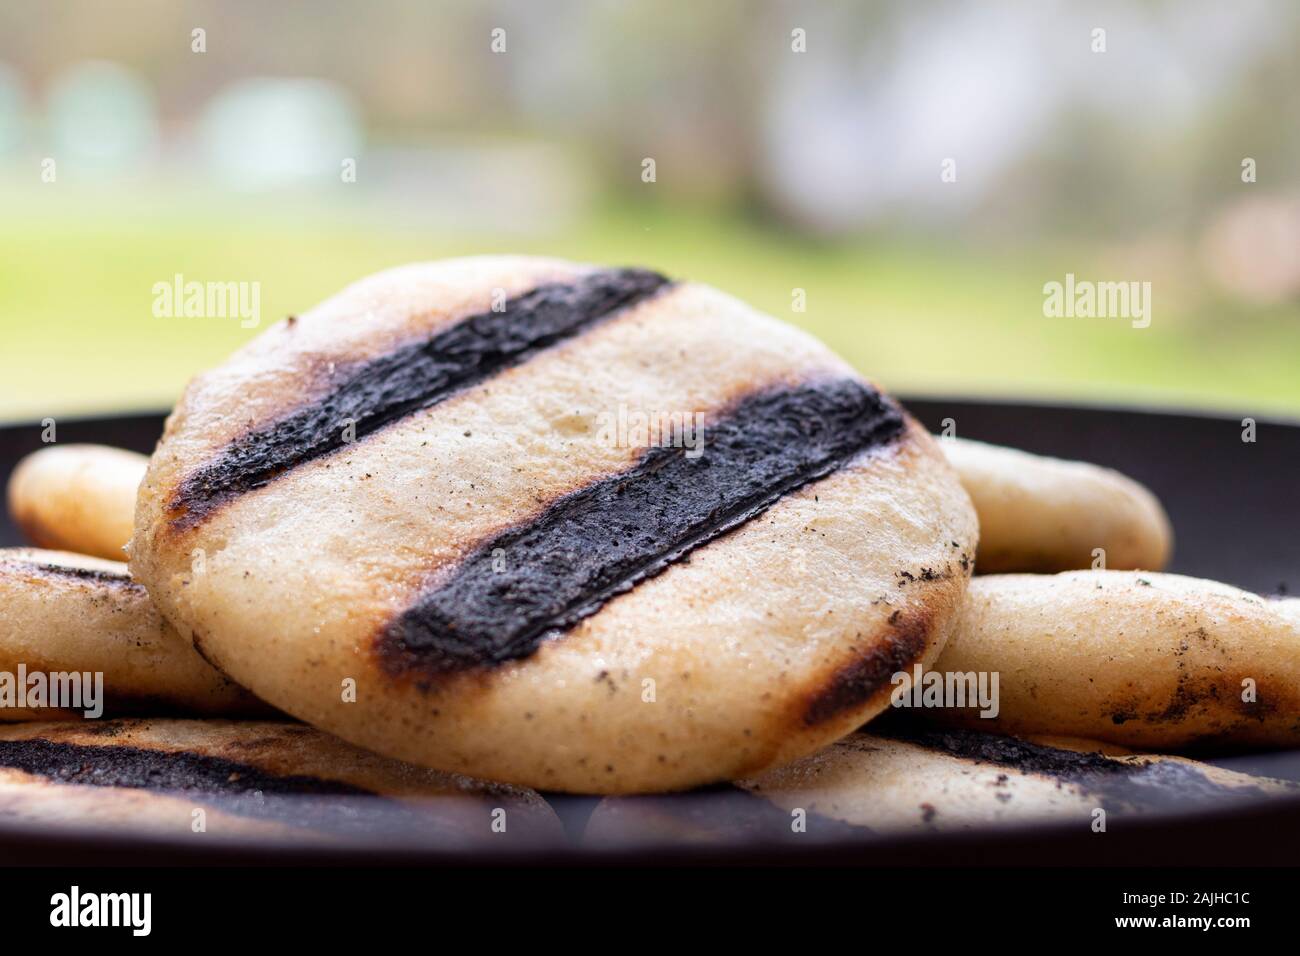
pixel 1198 698
pixel 102 728
pixel 374 393
pixel 1187 697
pixel 1122 782
pixel 1266 704
pixel 862 678
pixel 604 539
pixel 70 573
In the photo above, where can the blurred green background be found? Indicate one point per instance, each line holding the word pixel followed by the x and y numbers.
pixel 133 149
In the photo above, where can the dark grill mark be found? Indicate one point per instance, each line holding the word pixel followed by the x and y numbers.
pixel 858 681
pixel 298 801
pixel 1125 783
pixel 112 578
pixel 603 540
pixel 379 391
pixel 143 769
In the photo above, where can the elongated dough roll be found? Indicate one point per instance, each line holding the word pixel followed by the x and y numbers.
pixel 1144 660
pixel 1045 514
pixel 70 614
pixel 77 498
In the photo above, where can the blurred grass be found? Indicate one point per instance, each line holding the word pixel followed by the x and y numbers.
pixel 77 270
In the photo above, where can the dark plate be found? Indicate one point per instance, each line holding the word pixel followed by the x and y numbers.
pixel 1235 512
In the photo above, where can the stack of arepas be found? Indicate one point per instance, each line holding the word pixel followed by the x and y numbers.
pixel 481 527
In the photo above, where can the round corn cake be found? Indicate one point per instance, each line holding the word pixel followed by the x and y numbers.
pixel 577 528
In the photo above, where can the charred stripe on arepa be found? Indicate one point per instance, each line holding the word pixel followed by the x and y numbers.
pixel 145 769
pixel 69 571
pixel 230 786
pixel 1122 781
pixel 379 391
pixel 607 537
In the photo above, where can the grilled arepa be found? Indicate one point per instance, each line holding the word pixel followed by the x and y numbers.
pixel 577 528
